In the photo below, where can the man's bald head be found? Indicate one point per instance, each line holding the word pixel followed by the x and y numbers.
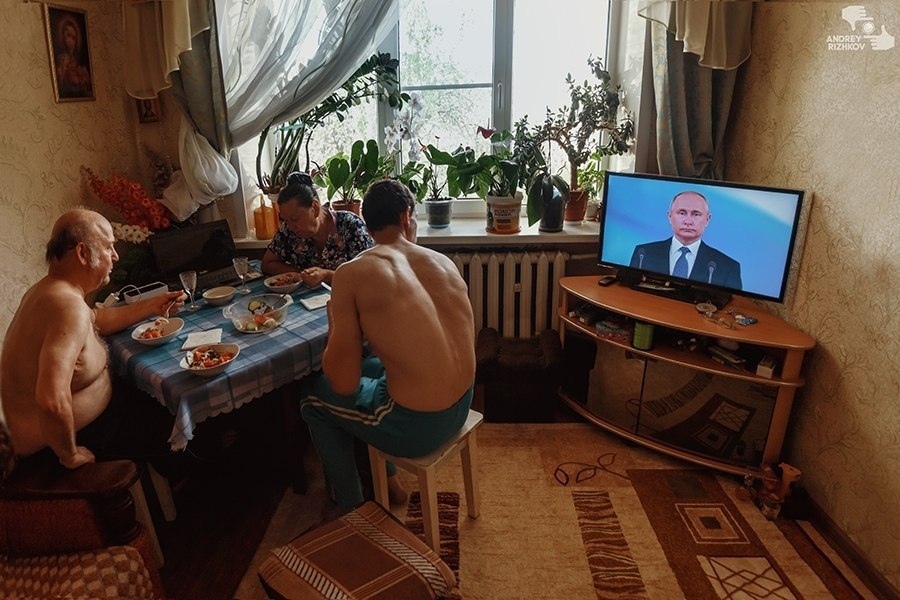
pixel 73 227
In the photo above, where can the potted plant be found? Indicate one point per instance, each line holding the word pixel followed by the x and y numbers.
pixel 428 184
pixel 494 177
pixel 546 193
pixel 346 177
pixel 376 77
pixel 590 179
pixel 590 124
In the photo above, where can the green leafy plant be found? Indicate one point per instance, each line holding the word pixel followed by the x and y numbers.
pixel 591 123
pixel 348 176
pixel 489 174
pixel 376 77
pixel 591 176
pixel 425 180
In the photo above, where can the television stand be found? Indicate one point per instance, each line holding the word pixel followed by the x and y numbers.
pixel 687 402
pixel 683 293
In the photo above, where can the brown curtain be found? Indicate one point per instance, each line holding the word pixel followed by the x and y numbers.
pixel 696 46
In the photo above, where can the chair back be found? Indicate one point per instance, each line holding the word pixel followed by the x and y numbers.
pixel 7 454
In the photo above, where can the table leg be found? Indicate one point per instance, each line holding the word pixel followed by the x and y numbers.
pixel 296 438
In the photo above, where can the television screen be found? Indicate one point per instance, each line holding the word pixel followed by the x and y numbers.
pixel 735 238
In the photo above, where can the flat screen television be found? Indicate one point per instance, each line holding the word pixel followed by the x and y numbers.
pixel 740 238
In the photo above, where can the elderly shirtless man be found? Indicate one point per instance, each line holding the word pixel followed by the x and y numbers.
pixel 411 305
pixel 55 380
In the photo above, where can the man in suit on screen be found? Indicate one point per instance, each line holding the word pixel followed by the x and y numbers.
pixel 684 254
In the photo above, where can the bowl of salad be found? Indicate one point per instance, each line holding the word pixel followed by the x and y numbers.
pixel 258 314
pixel 158 332
pixel 284 283
pixel 210 360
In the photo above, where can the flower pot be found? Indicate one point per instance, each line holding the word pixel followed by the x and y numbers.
pixel 503 213
pixel 350 206
pixel 554 208
pixel 577 205
pixel 438 212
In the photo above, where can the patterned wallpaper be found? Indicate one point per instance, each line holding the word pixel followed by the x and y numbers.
pixel 43 143
pixel 826 119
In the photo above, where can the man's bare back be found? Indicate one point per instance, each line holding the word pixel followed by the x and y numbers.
pixel 414 311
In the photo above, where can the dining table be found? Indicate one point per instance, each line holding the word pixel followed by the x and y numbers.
pixel 267 361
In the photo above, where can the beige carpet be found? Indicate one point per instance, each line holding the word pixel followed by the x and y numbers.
pixel 536 481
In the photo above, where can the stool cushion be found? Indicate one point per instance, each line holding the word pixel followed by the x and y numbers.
pixel 366 553
pixel 496 355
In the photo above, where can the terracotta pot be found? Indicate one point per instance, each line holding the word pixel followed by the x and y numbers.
pixel 350 206
pixel 576 206
pixel 504 213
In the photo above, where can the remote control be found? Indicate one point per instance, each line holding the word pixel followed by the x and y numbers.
pixel 608 280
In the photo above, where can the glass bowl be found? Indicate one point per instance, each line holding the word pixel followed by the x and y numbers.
pixel 258 314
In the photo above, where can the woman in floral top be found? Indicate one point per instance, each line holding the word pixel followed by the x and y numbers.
pixel 312 239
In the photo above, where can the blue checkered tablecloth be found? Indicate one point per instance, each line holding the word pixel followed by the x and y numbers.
pixel 266 362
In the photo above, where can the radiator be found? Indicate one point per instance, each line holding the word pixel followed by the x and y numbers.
pixel 516 293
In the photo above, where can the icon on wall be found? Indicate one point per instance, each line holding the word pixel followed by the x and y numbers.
pixel 148 110
pixel 70 57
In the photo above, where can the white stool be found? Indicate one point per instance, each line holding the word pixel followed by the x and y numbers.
pixel 424 467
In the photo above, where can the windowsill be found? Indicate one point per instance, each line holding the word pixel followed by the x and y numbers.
pixel 465 231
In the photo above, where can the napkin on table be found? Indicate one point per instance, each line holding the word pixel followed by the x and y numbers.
pixel 201 338
pixel 314 302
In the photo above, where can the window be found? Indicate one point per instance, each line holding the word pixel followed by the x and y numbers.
pixel 477 63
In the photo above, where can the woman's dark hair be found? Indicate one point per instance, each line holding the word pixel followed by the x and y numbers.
pixel 385 202
pixel 300 188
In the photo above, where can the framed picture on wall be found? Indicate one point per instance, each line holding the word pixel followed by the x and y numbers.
pixel 70 57
pixel 148 110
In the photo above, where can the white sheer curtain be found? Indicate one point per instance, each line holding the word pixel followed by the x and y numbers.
pixel 282 57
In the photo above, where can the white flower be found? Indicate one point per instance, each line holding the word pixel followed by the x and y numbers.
pixel 416 104
pixel 406 127
pixel 134 234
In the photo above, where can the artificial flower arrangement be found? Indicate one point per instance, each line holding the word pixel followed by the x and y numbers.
pixel 141 216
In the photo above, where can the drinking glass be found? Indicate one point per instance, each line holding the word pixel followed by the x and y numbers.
pixel 241 266
pixel 189 281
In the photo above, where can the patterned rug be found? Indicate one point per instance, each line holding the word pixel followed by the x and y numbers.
pixel 569 511
pixel 712 550
pixel 448 522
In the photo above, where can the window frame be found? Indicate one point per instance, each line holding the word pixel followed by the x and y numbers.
pixel 501 93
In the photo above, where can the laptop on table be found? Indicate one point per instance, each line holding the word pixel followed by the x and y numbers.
pixel 207 248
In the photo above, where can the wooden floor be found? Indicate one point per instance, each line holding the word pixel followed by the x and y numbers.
pixel 225 502
pixel 225 497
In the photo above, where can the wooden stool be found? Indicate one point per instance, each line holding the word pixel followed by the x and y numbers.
pixel 424 467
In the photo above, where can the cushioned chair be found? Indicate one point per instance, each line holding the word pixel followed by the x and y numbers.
pixel 366 554
pixel 72 533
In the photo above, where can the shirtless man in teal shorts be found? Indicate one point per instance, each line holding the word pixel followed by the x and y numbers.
pixel 410 305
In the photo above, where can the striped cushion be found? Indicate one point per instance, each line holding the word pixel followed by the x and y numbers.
pixel 365 554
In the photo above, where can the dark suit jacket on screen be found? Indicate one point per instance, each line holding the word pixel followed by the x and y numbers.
pixel 725 270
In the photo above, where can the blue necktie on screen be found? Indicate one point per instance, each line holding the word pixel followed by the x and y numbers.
pixel 681 266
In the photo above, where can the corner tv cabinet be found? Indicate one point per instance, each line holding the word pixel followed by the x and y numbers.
pixel 677 397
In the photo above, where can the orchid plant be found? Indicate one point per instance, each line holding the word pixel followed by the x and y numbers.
pixel 420 173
